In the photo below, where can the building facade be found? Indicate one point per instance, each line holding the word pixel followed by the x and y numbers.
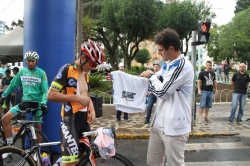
pixel 2 29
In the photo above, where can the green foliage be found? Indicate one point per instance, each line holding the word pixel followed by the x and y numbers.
pixel 129 23
pixel 241 5
pixel 87 27
pixel 202 68
pixel 94 80
pixel 234 39
pixel 184 16
pixel 142 56
pixel 103 86
pixel 213 45
pixel 136 70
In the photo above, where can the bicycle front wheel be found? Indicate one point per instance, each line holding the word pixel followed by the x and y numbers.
pixel 28 142
pixel 116 160
pixel 14 156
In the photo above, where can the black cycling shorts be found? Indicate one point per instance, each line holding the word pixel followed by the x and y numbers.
pixel 72 126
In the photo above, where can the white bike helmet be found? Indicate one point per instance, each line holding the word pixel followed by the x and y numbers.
pixel 93 51
pixel 31 55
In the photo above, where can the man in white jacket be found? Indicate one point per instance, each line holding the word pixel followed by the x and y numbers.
pixel 171 123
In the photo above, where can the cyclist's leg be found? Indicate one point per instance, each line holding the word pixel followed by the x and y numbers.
pixel 69 141
pixel 7 125
pixel 37 117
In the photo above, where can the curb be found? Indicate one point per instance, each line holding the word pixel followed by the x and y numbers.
pixel 191 135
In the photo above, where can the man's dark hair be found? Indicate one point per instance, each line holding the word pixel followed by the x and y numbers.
pixel 209 62
pixel 7 71
pixel 168 37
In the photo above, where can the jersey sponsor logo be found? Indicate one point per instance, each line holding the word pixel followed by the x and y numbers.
pixel 72 82
pixel 71 142
pixel 67 107
pixel 55 87
pixel 59 74
pixel 31 79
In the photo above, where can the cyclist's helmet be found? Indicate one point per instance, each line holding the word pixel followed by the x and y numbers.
pixel 31 55
pixel 93 52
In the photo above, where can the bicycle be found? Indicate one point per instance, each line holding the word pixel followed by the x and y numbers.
pixel 25 131
pixel 93 157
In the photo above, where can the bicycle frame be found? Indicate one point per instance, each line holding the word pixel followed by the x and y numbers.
pixel 25 125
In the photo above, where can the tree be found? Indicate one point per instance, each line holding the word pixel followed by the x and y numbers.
pixel 142 56
pixel 184 16
pixel 14 24
pixel 213 49
pixel 241 5
pixel 126 23
pixel 234 38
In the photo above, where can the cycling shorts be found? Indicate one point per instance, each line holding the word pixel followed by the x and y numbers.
pixel 72 126
pixel 36 116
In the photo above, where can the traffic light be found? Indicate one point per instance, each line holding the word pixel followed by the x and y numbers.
pixel 203 32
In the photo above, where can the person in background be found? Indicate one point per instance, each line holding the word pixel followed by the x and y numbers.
pixel 18 92
pixel 218 69
pixel 240 81
pixel 3 69
pixel 206 84
pixel 226 69
pixel 5 84
pixel 151 97
pixel 1 86
pixel 171 124
pixel 118 112
pixel 35 87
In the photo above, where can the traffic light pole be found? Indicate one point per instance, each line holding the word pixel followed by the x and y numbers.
pixel 193 102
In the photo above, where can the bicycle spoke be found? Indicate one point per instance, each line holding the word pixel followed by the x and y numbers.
pixel 11 159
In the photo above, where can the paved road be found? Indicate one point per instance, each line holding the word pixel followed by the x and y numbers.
pixel 203 151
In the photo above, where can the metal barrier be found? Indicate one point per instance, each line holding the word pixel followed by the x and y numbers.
pixel 222 97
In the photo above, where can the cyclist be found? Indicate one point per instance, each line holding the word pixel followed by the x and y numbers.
pixel 35 87
pixel 70 87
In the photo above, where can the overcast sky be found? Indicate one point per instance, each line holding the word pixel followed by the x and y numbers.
pixel 13 10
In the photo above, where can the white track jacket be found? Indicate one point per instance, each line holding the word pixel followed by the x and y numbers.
pixel 173 110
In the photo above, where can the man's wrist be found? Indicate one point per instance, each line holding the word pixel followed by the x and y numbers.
pixel 150 75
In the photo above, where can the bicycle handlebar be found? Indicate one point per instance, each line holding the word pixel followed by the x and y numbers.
pixel 89 133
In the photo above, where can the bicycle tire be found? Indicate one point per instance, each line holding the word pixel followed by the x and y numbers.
pixel 14 156
pixel 116 160
pixel 46 149
pixel 2 133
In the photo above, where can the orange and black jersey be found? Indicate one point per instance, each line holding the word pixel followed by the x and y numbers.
pixel 66 82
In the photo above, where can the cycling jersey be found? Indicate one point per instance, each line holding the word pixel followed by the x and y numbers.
pixel 34 83
pixel 66 82
pixel 35 88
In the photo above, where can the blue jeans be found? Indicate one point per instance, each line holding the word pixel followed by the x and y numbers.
pixel 206 99
pixel 119 113
pixel 151 100
pixel 241 99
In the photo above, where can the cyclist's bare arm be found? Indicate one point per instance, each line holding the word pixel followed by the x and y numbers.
pixel 56 96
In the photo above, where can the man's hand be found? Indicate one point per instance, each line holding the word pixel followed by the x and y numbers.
pixel 109 76
pixel 12 94
pixel 44 109
pixel 91 117
pixel 83 100
pixel 146 73
pixel 199 92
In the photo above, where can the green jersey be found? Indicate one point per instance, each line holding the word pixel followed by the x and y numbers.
pixel 34 83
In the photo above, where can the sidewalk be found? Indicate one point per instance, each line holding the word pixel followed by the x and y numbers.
pixel 135 127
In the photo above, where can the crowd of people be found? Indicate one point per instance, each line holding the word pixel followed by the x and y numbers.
pixel 222 71
pixel 169 86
